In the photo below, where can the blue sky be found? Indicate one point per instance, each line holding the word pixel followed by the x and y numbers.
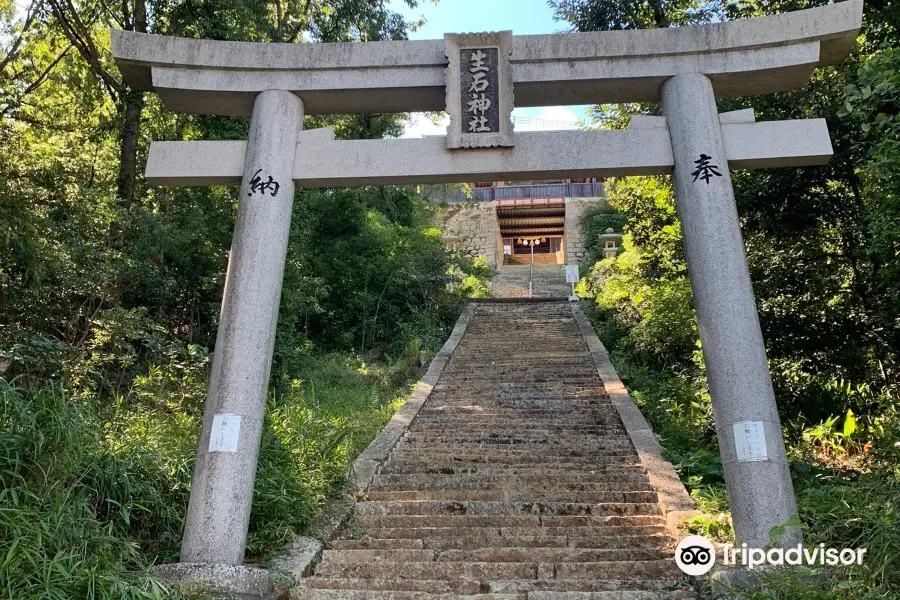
pixel 523 17
pixel 457 16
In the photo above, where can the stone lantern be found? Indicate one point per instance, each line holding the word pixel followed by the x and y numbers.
pixel 610 242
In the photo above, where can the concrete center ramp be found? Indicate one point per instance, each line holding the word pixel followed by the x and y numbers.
pixel 547 281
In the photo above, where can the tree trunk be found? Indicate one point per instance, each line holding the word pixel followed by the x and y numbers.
pixel 659 14
pixel 131 123
pixel 131 131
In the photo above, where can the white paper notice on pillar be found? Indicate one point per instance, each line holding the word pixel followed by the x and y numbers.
pixel 750 441
pixel 572 274
pixel 226 429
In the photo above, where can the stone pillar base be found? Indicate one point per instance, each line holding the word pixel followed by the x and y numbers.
pixel 232 581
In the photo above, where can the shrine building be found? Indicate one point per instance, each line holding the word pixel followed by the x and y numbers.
pixel 509 221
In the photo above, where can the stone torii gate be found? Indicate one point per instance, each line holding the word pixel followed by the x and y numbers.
pixel 474 78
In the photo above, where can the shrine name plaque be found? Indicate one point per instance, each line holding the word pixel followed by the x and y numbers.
pixel 479 90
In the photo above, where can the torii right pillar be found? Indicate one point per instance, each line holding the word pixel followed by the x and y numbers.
pixel 760 492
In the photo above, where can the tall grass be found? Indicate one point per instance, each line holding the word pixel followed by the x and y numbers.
pixel 92 494
pixel 313 432
pixel 69 503
pixel 845 500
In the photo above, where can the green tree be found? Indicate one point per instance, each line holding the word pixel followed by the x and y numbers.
pixel 821 241
pixel 608 15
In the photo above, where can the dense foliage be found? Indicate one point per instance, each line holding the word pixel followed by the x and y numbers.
pixel 823 246
pixel 110 295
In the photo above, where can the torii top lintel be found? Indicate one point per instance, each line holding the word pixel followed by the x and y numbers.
pixel 742 58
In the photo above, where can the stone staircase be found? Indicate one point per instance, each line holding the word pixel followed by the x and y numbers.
pixel 516 480
pixel 548 281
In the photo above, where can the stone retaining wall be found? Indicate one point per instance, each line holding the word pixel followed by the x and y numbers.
pixel 474 229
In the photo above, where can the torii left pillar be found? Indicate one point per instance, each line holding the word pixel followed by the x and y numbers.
pixel 222 489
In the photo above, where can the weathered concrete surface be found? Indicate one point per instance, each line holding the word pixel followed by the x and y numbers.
pixel 517 478
pixel 296 561
pixel 222 486
pixel 743 115
pixel 760 493
pixel 743 58
pixel 644 151
pixel 234 580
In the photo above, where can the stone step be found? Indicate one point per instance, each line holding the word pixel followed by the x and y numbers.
pixel 580 412
pixel 538 451
pixel 442 494
pixel 372 544
pixel 512 438
pixel 487 399
pixel 511 423
pixel 617 595
pixel 490 508
pixel 583 411
pixel 498 570
pixel 510 417
pixel 602 520
pixel 492 398
pixel 625 480
pixel 661 586
pixel 368 594
pixel 656 542
pixel 429 570
pixel 492 390
pixel 503 555
pixel 431 586
pixel 517 371
pixel 418 521
pixel 570 373
pixel 502 423
pixel 501 426
pixel 548 430
pixel 572 362
pixel 558 472
pixel 552 555
pixel 366 556
pixel 426 533
pixel 517 496
pixel 587 444
pixel 595 444
pixel 536 455
pixel 547 466
pixel 498 380
pixel 490 539
pixel 479 489
pixel 640 589
pixel 610 570
pixel 475 443
pixel 608 457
